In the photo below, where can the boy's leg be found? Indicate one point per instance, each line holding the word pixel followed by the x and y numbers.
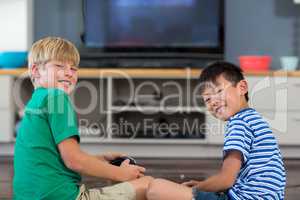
pixel 160 189
pixel 132 190
pixel 210 195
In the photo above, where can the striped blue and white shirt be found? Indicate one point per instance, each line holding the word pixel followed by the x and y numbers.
pixel 262 175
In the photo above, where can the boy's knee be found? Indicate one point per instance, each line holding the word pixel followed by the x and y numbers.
pixel 147 180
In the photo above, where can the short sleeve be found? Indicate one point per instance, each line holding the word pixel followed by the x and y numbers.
pixel 238 137
pixel 61 116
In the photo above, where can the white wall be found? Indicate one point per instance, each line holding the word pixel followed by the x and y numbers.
pixel 15 25
pixel 297 1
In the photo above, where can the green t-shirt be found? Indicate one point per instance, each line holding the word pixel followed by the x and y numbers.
pixel 39 171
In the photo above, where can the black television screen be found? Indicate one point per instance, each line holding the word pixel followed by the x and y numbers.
pixel 178 27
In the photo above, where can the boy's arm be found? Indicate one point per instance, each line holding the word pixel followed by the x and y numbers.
pixel 225 178
pixel 81 162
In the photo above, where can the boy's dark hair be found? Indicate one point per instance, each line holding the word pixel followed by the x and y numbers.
pixel 230 72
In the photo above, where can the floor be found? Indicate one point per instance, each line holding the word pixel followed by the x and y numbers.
pixel 174 169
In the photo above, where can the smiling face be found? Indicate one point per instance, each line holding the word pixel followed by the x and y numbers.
pixel 55 74
pixel 223 99
pixel 53 63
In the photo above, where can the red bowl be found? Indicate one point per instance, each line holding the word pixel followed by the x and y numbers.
pixel 255 63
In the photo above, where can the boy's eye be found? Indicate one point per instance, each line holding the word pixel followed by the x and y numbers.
pixel 59 66
pixel 74 69
pixel 219 91
pixel 206 100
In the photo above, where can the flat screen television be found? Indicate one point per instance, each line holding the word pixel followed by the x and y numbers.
pixel 151 33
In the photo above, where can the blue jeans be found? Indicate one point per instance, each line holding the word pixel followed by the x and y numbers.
pixel 199 195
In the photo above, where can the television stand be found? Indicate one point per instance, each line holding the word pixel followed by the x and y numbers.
pixel 144 63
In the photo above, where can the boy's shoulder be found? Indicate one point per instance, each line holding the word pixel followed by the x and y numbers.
pixel 42 96
pixel 247 118
pixel 245 115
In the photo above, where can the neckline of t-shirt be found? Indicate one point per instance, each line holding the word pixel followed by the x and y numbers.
pixel 242 111
pixel 39 88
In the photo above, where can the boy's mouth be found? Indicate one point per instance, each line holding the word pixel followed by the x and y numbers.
pixel 65 81
pixel 219 109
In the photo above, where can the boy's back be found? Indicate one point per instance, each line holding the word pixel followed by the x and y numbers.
pixel 262 172
pixel 36 148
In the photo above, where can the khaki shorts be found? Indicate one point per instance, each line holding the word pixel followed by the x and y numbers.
pixel 122 191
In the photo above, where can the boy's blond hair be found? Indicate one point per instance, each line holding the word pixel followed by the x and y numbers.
pixel 53 48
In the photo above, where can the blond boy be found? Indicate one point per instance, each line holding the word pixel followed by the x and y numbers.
pixel 48 160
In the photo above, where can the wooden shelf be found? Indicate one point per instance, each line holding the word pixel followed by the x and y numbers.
pixel 147 73
pixel 121 73
pixel 171 109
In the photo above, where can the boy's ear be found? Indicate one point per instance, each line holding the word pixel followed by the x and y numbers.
pixel 34 71
pixel 243 87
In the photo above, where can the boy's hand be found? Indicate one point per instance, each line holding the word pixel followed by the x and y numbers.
pixel 132 171
pixel 223 180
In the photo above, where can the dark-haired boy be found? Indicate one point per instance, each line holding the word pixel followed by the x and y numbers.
pixel 252 164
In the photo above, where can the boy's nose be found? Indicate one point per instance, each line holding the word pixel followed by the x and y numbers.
pixel 69 72
pixel 215 102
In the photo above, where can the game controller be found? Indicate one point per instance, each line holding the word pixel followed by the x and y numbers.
pixel 118 161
